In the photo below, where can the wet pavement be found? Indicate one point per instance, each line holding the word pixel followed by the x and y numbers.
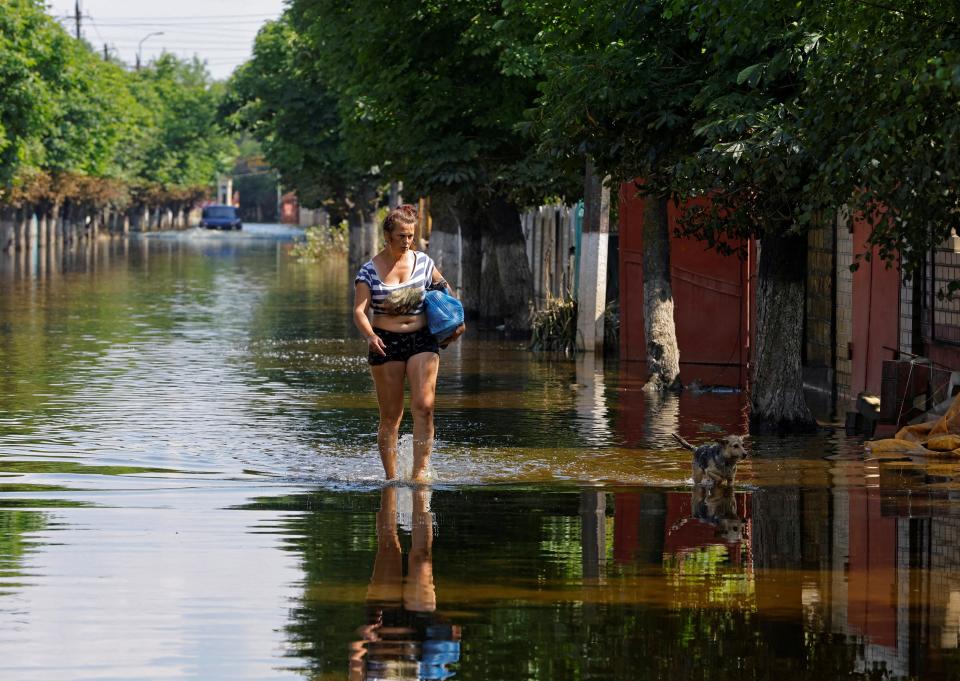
pixel 189 488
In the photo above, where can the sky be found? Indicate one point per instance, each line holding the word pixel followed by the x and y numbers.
pixel 221 32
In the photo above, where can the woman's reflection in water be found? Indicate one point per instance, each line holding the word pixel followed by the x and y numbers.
pixel 403 637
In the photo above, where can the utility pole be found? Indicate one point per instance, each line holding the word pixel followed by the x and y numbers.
pixel 77 17
pixel 106 53
pixel 140 45
pixel 279 199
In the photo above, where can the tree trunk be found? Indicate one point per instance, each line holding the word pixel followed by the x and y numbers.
pixel 355 240
pixel 23 221
pixel 66 224
pixel 663 355
pixel 371 231
pixel 506 284
pixel 363 230
pixel 8 216
pixel 43 211
pixel 777 401
pixel 141 216
pixel 446 246
pixel 472 221
pixel 53 224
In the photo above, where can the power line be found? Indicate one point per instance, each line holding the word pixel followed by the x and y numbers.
pixel 174 24
pixel 177 38
pixel 191 17
pixel 96 30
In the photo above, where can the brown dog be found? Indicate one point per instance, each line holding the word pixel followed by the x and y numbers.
pixel 718 460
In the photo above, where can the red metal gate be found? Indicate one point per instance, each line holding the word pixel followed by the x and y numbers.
pixel 712 300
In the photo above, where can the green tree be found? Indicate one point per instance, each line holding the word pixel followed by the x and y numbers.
pixel 619 80
pixel 431 94
pixel 281 98
pixel 187 146
pixel 808 109
pixel 80 135
pixel 25 36
pixel 883 98
pixel 753 162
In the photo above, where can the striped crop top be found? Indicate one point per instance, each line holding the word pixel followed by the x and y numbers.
pixel 398 299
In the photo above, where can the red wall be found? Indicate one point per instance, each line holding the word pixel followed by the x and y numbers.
pixel 876 314
pixel 712 300
pixel 289 209
pixel 872 576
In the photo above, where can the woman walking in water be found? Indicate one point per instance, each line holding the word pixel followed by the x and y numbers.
pixel 400 345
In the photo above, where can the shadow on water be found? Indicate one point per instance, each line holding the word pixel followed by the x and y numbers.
pixel 187 460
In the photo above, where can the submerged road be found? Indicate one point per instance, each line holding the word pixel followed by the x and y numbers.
pixel 189 489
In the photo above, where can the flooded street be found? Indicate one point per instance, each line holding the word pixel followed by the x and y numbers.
pixel 189 488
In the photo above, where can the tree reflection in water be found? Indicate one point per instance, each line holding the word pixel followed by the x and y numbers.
pixel 403 637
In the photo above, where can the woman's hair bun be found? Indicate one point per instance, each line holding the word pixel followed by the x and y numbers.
pixel 404 214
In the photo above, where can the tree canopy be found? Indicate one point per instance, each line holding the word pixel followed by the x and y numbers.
pixel 282 99
pixel 433 94
pixel 67 112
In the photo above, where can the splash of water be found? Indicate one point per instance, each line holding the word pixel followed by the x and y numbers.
pixel 405 473
pixel 405 456
pixel 405 460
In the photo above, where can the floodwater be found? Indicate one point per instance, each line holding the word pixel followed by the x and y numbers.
pixel 189 489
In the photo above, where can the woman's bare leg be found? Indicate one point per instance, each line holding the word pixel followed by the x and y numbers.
pixel 386 584
pixel 389 381
pixel 419 592
pixel 422 370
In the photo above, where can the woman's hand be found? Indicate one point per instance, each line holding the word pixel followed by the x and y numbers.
pixel 376 345
pixel 454 336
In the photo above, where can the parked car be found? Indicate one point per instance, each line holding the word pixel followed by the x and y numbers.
pixel 220 217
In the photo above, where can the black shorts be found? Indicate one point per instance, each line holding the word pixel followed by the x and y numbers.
pixel 403 346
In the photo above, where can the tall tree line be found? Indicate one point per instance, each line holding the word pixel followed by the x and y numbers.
pixel 778 112
pixel 85 140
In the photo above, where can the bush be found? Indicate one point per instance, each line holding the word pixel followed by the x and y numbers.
pixel 321 241
pixel 555 326
pixel 611 328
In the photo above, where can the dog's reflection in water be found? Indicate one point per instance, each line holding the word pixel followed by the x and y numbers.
pixel 717 505
pixel 403 637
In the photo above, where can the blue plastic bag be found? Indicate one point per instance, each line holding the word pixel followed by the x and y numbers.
pixel 444 314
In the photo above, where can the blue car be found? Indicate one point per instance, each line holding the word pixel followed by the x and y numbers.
pixel 220 217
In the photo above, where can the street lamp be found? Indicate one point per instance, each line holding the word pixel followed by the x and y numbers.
pixel 140 45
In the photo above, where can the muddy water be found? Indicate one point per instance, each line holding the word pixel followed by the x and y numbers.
pixel 189 489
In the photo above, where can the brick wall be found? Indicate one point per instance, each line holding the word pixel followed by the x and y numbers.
pixel 844 283
pixel 819 295
pixel 946 311
pixel 906 316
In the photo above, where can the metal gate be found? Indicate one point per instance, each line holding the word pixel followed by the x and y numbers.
pixel 713 300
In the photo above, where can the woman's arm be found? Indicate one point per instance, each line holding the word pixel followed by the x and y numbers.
pixel 438 283
pixel 361 303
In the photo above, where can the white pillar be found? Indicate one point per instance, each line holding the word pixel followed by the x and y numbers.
pixel 592 290
pixel 225 190
pixel 590 402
